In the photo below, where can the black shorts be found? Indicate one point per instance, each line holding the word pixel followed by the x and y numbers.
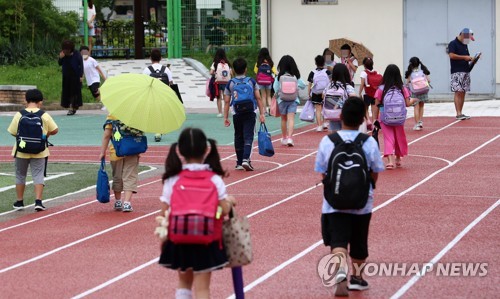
pixel 94 89
pixel 342 229
pixel 368 100
pixel 317 99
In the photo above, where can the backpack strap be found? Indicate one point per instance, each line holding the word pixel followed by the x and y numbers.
pixel 361 138
pixel 163 68
pixel 151 69
pixel 335 138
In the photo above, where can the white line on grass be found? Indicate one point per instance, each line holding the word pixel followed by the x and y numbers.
pixel 50 177
pixel 62 196
pixel 445 250
pixel 312 247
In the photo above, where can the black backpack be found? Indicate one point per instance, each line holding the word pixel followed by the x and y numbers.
pixel 347 180
pixel 29 137
pixel 159 74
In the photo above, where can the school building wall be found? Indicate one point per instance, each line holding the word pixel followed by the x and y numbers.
pixel 303 31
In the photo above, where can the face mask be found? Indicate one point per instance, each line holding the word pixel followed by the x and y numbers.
pixel 344 53
pixel 85 57
pixel 466 41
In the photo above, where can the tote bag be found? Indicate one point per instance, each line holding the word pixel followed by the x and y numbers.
pixel 274 109
pixel 264 141
pixel 307 113
pixel 102 185
pixel 236 236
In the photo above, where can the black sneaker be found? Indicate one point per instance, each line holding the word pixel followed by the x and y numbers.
pixel 18 205
pixel 246 164
pixel 39 206
pixel 357 283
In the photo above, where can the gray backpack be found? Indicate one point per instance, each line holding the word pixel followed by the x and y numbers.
pixel 289 90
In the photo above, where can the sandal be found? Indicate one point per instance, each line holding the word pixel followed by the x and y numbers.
pixel 389 167
pixel 398 163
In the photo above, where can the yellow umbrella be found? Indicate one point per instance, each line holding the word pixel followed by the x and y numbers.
pixel 143 102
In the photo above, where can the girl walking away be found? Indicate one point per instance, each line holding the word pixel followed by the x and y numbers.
pixel 318 81
pixel 337 92
pixel 221 69
pixel 391 100
pixel 287 92
pixel 417 76
pixel 72 77
pixel 265 72
pixel 370 81
pixel 195 185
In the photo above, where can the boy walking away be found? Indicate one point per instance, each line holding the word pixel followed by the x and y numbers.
pixel 348 197
pixel 93 73
pixel 318 81
pixel 157 70
pixel 242 94
pixel 125 169
pixel 32 128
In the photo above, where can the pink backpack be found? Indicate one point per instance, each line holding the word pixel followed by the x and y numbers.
pixel 289 89
pixel 194 203
pixel 418 83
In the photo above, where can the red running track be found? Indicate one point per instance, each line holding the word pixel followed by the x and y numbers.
pixel 440 207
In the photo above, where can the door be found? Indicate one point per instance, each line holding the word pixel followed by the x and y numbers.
pixel 427 37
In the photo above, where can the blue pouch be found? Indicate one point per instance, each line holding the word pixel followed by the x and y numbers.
pixel 265 143
pixel 128 141
pixel 102 185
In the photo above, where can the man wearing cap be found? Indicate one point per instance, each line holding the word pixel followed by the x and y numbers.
pixel 460 70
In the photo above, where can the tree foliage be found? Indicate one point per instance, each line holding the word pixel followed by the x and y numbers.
pixel 31 28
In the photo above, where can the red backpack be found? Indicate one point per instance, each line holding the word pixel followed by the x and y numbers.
pixel 194 218
pixel 373 81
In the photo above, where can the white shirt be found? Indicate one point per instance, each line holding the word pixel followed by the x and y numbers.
pixel 90 70
pixel 157 66
pixel 91 13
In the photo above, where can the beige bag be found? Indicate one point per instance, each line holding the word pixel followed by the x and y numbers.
pixel 236 236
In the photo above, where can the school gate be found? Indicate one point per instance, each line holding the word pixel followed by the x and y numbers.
pixel 431 24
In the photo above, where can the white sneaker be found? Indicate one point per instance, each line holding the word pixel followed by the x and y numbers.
pixel 219 115
pixel 325 126
pixel 284 141
pixel 416 127
pixel 420 124
pixel 289 142
pixel 319 129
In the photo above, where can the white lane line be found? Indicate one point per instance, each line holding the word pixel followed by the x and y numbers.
pixel 312 247
pixel 104 231
pixel 155 260
pixel 50 177
pixel 41 256
pixel 64 195
pixel 445 250
pixel 140 267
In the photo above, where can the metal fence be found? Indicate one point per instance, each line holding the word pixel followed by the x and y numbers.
pixel 205 25
pixel 208 24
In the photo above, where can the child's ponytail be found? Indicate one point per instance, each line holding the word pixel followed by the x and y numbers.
pixel 173 164
pixel 213 159
pixel 424 69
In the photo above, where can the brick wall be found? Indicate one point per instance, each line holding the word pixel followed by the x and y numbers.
pixel 14 94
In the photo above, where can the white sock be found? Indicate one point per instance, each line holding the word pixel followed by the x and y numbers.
pixel 183 294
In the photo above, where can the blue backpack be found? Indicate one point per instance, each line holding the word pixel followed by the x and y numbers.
pixel 30 138
pixel 127 141
pixel 243 97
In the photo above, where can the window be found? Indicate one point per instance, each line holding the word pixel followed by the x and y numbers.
pixel 319 2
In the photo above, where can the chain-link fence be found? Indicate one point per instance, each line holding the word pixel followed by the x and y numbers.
pixel 205 25
pixel 208 24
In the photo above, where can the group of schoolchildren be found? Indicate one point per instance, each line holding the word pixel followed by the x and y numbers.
pixel 343 224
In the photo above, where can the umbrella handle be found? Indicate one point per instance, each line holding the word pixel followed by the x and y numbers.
pixel 237 274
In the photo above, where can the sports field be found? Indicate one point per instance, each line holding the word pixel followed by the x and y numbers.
pixel 439 209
